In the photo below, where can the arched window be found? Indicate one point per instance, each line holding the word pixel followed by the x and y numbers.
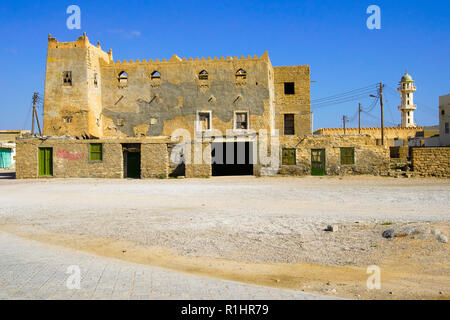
pixel 123 78
pixel 156 75
pixel 241 74
pixel 203 75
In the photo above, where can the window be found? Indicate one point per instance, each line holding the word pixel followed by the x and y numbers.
pixel 67 78
pixel 203 75
pixel 67 119
pixel 347 155
pixel 289 125
pixel 288 157
pixel 447 129
pixel 241 122
pixel 204 121
pixel 95 80
pixel 443 112
pixel 123 79
pixel 95 152
pixel 289 88
pixel 241 74
pixel 155 75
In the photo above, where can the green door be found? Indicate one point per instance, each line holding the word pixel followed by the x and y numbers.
pixel 318 162
pixel 45 162
pixel 5 158
pixel 133 165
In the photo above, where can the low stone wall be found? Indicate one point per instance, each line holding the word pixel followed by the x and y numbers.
pixel 431 162
pixel 71 158
pixel 369 157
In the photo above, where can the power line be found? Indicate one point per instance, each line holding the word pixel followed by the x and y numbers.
pixel 351 92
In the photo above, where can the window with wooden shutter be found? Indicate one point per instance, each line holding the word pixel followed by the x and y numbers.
pixel 347 155
pixel 288 157
pixel 95 152
pixel 289 125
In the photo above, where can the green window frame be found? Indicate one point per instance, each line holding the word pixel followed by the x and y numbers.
pixel 289 157
pixel 95 152
pixel 348 156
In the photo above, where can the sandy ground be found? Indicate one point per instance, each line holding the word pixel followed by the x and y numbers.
pixel 258 230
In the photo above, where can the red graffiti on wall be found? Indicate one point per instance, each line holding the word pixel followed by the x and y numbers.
pixel 64 154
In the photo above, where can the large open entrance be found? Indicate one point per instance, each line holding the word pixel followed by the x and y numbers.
pixel 232 158
pixel 131 160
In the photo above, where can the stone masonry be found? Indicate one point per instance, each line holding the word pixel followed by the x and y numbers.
pixel 431 162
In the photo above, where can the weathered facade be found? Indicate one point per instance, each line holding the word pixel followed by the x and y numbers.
pixel 87 94
pixel 190 117
pixel 340 155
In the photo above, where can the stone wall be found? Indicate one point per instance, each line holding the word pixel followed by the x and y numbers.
pixel 298 104
pixel 431 162
pixel 71 158
pixel 369 158
pixel 156 164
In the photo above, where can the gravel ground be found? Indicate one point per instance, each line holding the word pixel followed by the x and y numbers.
pixel 271 220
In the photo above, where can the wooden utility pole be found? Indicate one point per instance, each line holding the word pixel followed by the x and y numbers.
pixel 343 121
pixel 359 118
pixel 35 115
pixel 382 113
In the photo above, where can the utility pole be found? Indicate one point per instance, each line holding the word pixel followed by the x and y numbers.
pixel 359 118
pixel 382 113
pixel 343 121
pixel 35 115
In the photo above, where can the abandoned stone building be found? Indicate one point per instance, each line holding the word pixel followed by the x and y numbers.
pixel 118 119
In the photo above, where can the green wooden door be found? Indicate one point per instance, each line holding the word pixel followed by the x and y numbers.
pixel 318 162
pixel 45 162
pixel 133 165
pixel 5 158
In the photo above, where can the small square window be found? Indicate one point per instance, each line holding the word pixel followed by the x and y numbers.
pixel 95 152
pixel 289 129
pixel 204 121
pixel 67 78
pixel 288 157
pixel 241 121
pixel 289 88
pixel 442 112
pixel 347 156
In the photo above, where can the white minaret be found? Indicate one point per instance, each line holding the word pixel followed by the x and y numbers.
pixel 407 89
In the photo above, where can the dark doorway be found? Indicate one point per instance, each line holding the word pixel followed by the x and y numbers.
pixel 232 158
pixel 131 160
pixel 318 162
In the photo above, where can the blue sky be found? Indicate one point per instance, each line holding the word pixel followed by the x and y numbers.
pixel 330 36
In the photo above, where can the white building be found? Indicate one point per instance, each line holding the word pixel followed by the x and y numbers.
pixel 444 120
pixel 407 107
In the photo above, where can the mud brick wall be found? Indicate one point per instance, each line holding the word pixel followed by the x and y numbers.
pixel 431 162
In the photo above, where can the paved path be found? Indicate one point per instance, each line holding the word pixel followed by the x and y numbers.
pixel 33 270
